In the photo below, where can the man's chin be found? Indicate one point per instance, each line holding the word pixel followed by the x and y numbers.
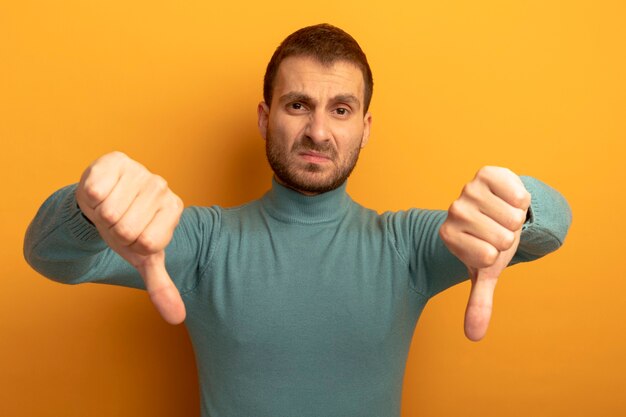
pixel 310 182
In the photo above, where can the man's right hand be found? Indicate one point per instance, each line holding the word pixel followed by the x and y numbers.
pixel 136 213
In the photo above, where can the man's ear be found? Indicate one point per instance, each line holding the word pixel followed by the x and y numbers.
pixel 367 126
pixel 263 113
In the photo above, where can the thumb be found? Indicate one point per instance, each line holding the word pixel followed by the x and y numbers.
pixel 480 303
pixel 161 289
pixel 479 306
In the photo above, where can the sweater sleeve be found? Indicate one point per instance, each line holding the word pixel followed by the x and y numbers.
pixel 434 268
pixel 61 244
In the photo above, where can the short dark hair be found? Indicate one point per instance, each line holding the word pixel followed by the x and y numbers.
pixel 326 44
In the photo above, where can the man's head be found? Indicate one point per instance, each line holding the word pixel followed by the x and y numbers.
pixel 314 117
pixel 326 44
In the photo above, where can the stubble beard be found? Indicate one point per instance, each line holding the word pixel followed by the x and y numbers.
pixel 310 178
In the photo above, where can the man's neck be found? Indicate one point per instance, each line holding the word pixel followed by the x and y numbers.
pixel 303 192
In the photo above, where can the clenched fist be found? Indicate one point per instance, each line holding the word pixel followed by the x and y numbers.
pixel 483 229
pixel 136 213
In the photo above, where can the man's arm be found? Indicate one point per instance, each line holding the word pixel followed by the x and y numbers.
pixel 127 213
pixel 483 229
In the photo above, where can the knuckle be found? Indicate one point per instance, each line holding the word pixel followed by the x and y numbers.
pixel 524 198
pixel 117 155
pixel 143 177
pixel 445 232
pixel 505 240
pixel 490 172
pixel 110 159
pixel 488 256
pixel 516 221
pixel 93 192
pixel 124 232
pixel 456 209
pixel 520 198
pixel 506 172
pixel 485 172
pixel 108 214
pixel 472 190
pixel 159 183
pixel 147 243
pixel 178 204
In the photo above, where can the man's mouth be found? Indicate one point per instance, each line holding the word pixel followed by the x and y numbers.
pixel 315 157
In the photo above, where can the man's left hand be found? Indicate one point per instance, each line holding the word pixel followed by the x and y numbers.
pixel 483 229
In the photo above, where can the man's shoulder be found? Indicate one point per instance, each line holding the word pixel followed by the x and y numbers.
pixel 414 219
pixel 401 215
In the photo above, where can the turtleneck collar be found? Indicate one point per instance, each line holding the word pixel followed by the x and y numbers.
pixel 290 206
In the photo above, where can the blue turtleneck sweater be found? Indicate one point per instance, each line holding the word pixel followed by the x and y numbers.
pixel 296 306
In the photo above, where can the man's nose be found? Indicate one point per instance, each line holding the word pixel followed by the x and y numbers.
pixel 318 128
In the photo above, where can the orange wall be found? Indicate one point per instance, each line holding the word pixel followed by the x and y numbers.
pixel 538 86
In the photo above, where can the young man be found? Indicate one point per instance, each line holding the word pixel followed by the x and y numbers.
pixel 302 303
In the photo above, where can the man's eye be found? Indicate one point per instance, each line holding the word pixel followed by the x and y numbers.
pixel 296 106
pixel 341 111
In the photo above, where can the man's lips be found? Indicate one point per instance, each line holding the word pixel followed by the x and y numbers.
pixel 315 157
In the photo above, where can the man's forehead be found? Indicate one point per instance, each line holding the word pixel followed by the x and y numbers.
pixel 299 73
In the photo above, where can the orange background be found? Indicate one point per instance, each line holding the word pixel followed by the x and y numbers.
pixel 537 86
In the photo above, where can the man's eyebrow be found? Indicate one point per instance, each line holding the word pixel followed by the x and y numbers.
pixel 348 98
pixel 294 96
pixel 341 98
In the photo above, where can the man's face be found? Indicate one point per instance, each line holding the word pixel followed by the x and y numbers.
pixel 315 126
